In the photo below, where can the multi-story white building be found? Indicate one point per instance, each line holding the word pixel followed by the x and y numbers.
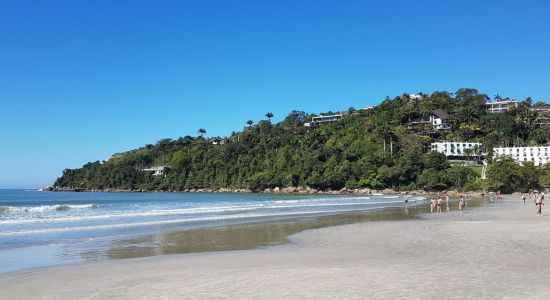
pixel 501 106
pixel 323 120
pixel 539 155
pixel 457 149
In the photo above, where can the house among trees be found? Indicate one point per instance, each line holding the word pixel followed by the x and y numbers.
pixel 416 96
pixel 542 113
pixel 501 105
pixel 218 141
pixel 435 122
pixel 157 170
pixel 323 120
pixel 457 149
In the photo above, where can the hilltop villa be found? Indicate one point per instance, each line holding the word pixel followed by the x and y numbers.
pixel 323 120
pixel 539 155
pixel 501 106
pixel 437 120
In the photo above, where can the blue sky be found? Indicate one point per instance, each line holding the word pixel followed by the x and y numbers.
pixel 81 80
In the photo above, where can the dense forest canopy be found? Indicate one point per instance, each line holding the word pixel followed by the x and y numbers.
pixel 371 148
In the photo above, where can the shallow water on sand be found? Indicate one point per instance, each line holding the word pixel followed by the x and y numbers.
pixel 45 228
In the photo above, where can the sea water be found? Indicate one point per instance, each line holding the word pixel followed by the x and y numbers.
pixel 46 228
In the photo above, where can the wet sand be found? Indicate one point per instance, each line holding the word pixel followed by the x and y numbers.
pixel 496 251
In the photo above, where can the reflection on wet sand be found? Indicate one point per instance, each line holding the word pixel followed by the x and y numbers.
pixel 234 237
pixel 238 237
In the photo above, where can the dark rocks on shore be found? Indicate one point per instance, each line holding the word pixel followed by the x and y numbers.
pixel 301 190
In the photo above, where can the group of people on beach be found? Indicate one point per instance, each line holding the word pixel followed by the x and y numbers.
pixel 436 204
pixel 537 198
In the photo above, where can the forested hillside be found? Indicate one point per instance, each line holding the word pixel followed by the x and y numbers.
pixel 368 148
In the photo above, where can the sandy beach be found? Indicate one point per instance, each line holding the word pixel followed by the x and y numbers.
pixel 499 251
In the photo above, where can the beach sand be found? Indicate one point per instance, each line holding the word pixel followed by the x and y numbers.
pixel 499 251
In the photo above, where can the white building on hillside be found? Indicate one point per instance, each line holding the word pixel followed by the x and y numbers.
pixel 218 141
pixel 501 106
pixel 539 155
pixel 323 120
pixel 457 149
pixel 157 170
pixel 438 120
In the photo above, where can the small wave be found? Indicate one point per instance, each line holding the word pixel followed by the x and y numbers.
pixel 46 208
pixel 287 201
pixel 279 204
pixel 175 221
pixel 152 213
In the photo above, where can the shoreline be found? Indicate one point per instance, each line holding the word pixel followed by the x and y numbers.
pixel 280 191
pixel 397 259
pixel 240 236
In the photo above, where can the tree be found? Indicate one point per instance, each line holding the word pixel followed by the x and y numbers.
pixel 528 101
pixel 178 159
pixel 294 119
pixel 249 123
pixel 269 116
pixel 201 131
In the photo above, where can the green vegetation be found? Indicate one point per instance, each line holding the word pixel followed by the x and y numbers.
pixel 366 149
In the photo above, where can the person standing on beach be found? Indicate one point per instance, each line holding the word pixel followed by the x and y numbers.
pixel 439 204
pixel 447 200
pixel 406 199
pixel 540 202
pixel 461 204
pixel 523 198
pixel 432 205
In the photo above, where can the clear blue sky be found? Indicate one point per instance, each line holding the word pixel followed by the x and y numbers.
pixel 81 80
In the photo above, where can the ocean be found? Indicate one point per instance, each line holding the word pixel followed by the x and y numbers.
pixel 50 228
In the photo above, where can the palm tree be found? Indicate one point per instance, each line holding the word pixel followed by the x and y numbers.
pixel 469 115
pixel 269 116
pixel 201 131
pixel 249 123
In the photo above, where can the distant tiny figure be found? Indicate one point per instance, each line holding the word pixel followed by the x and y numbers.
pixel 406 198
pixel 523 198
pixel 439 203
pixel 432 205
pixel 447 201
pixel 497 195
pixel 540 202
pixel 461 204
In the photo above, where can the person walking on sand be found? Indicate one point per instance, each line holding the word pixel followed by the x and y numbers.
pixel 439 204
pixel 540 202
pixel 447 201
pixel 462 204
